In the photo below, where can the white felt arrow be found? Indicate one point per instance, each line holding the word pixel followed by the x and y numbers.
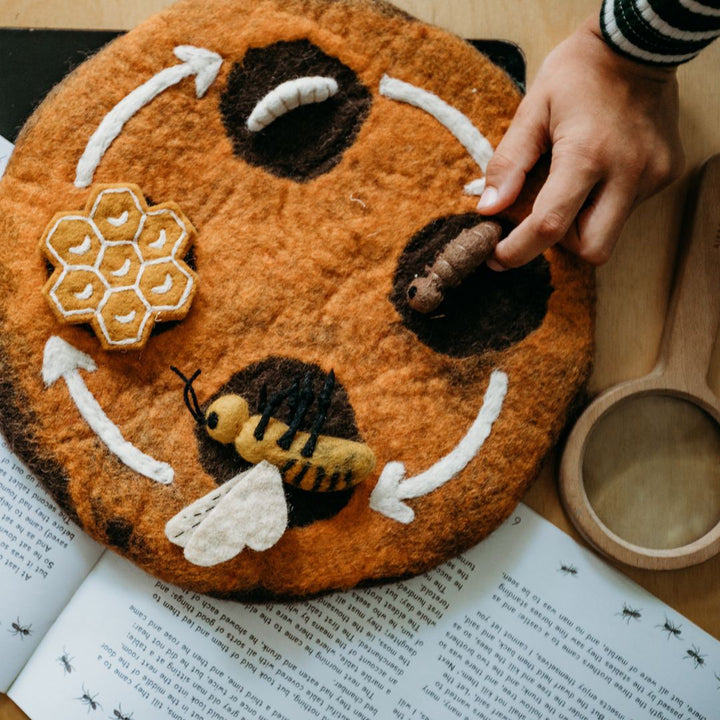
pixel 477 145
pixel 62 360
pixel 392 486
pixel 202 63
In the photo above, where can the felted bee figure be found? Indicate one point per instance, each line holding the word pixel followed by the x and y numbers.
pixel 306 460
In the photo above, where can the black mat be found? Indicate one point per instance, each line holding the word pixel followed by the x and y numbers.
pixel 32 62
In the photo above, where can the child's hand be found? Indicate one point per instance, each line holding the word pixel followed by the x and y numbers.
pixel 612 127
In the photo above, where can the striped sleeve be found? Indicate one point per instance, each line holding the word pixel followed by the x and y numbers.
pixel 660 32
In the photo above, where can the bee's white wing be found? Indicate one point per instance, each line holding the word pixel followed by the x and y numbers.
pixel 180 528
pixel 253 514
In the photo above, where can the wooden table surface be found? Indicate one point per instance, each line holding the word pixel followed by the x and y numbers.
pixel 633 289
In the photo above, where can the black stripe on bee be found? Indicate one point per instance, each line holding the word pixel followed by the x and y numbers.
pixel 338 481
pixel 307 476
pixel 334 480
pixel 319 477
pixel 297 480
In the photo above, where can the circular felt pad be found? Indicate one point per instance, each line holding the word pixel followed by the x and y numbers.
pixel 333 436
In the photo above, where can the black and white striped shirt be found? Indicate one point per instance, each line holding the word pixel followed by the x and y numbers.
pixel 660 32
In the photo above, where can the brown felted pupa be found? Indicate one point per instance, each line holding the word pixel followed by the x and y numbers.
pixel 145 224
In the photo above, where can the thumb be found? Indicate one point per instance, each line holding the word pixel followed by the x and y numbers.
pixel 522 145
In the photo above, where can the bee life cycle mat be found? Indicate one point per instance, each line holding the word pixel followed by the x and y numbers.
pixel 208 349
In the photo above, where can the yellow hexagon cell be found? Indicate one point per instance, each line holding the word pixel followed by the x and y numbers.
pixel 164 235
pixel 124 319
pixel 71 240
pixel 76 295
pixel 119 265
pixel 117 212
pixel 167 286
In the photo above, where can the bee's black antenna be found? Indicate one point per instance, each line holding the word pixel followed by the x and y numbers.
pixel 190 397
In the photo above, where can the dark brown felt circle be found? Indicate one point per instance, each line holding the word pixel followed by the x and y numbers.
pixel 222 462
pixel 307 141
pixel 488 311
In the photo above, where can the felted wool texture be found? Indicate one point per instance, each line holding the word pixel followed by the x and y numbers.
pixel 336 464
pixel 325 129
pixel 223 462
pixel 300 270
pixel 473 317
pixel 118 265
pixel 230 526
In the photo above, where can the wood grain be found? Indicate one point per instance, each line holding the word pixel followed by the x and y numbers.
pixel 9 710
pixel 633 288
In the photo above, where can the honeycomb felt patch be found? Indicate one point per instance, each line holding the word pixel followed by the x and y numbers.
pixel 209 233
pixel 118 265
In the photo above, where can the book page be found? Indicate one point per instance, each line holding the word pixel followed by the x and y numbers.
pixel 6 148
pixel 43 559
pixel 526 625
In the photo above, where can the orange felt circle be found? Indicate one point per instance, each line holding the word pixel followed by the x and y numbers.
pixel 286 269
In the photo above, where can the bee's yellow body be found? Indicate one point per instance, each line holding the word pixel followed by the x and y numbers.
pixel 336 463
pixel 332 464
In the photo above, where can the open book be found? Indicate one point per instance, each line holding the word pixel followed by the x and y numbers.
pixel 526 625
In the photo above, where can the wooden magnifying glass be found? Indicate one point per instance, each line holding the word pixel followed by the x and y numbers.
pixel 640 474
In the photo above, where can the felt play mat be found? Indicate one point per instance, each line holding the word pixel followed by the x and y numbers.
pixel 211 238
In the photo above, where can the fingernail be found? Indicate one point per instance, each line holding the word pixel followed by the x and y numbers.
pixel 494 265
pixel 488 198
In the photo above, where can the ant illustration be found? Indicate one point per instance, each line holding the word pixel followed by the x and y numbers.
pixel 671 629
pixel 697 658
pixel 89 700
pixel 629 613
pixel 22 630
pixel 66 661
pixel 119 715
pixel 568 569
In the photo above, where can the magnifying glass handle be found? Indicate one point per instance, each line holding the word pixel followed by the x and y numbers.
pixel 694 314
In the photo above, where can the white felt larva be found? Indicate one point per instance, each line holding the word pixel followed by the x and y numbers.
pixel 289 95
